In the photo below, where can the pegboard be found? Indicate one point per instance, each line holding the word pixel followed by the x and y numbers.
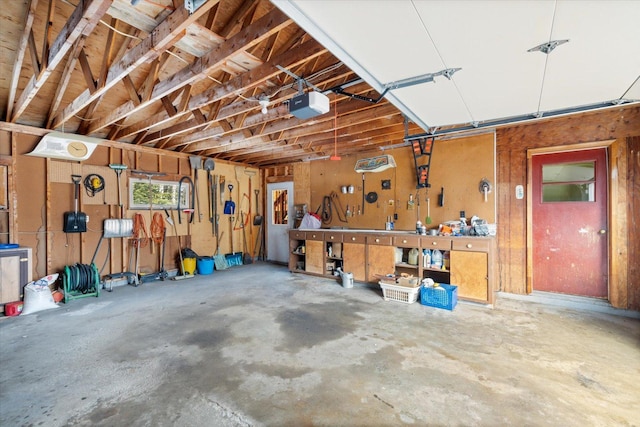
pixel 61 172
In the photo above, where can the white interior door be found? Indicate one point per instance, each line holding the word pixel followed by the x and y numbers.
pixel 279 220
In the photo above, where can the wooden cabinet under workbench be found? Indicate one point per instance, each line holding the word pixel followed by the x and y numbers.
pixel 468 262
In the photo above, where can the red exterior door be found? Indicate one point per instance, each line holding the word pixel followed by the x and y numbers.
pixel 569 210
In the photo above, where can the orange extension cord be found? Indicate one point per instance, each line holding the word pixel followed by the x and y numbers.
pixel 157 228
pixel 140 236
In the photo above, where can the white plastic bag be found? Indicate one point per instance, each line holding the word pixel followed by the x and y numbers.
pixel 310 220
pixel 37 295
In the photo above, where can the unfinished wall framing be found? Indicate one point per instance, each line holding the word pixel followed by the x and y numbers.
pixel 42 191
pixel 618 124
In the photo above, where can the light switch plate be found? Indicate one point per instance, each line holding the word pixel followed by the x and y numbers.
pixel 519 192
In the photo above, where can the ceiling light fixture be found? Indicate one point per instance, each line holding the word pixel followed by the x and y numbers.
pixel 335 133
pixel 264 103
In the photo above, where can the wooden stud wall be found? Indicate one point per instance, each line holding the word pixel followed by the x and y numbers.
pixel 512 144
pixel 633 215
pixel 458 165
pixel 44 191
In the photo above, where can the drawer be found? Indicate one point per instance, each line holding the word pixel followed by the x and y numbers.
pixel 379 240
pixel 354 238
pixel 471 244
pixel 332 237
pixel 315 235
pixel 406 241
pixel 297 234
pixel 435 242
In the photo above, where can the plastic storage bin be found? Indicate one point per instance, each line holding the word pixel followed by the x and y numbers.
pixel 188 265
pixel 399 293
pixel 204 265
pixel 442 296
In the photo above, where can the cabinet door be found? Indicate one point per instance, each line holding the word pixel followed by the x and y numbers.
pixel 315 256
pixel 10 278
pixel 353 256
pixel 469 271
pixel 380 260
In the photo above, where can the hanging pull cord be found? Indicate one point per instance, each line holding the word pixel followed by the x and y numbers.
pixel 326 210
pixel 338 206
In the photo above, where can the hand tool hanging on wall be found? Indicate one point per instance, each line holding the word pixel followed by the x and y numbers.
pixel 240 221
pixel 117 168
pixel 229 205
pixel 326 210
pixel 362 196
pixel 338 206
pixel 258 247
pixel 251 174
pixel 246 259
pixel 222 187
pixel 209 165
pixel 191 210
pixel 75 222
pixel 196 165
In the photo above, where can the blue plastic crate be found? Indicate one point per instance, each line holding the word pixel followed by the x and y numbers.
pixel 443 296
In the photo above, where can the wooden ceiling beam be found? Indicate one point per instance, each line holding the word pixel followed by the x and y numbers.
pixel 258 75
pixel 86 72
pixel 272 22
pixel 373 128
pixel 294 128
pixel 108 50
pixel 261 29
pixel 81 22
pixel 147 50
pixel 245 9
pixel 27 34
pixel 64 80
pixel 33 50
pixel 251 79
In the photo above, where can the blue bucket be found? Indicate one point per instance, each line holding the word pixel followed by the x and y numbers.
pixel 205 265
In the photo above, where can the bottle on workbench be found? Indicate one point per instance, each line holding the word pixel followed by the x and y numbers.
pixel 436 259
pixel 426 258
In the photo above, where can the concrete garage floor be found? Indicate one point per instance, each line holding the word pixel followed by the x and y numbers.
pixel 256 345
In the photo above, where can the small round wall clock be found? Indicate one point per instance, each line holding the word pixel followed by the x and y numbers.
pixel 77 149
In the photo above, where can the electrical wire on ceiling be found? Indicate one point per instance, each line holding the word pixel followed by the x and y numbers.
pixel 546 59
pixel 264 99
pixel 424 27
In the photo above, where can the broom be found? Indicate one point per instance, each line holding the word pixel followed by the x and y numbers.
pixel 220 261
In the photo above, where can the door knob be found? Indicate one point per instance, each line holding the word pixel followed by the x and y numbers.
pixel 603 231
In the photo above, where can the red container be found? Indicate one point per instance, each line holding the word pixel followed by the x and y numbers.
pixel 13 308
